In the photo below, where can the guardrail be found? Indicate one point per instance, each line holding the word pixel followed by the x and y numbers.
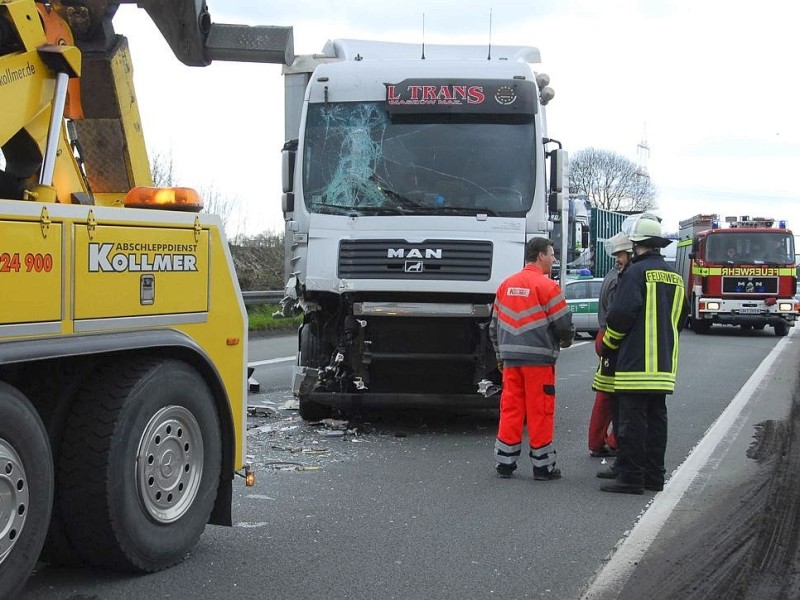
pixel 262 297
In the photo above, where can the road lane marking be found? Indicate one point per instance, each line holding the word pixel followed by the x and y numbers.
pixel 611 580
pixel 270 361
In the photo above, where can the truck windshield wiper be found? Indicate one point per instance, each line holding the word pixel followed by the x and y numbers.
pixel 323 208
pixel 403 200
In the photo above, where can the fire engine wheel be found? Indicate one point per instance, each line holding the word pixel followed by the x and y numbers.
pixel 781 329
pixel 26 489
pixel 140 465
pixel 310 356
pixel 700 326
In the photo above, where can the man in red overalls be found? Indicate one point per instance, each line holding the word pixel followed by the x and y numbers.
pixel 530 323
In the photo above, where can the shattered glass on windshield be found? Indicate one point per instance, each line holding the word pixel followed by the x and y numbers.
pixel 358 161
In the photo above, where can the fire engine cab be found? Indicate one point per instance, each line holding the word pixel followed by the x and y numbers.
pixel 742 274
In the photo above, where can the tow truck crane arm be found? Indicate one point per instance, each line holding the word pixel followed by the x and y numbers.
pixel 99 154
pixel 187 27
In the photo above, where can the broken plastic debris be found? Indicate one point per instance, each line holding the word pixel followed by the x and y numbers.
pixel 292 404
pixel 255 410
pixel 331 432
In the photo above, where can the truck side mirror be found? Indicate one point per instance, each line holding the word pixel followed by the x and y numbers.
pixel 558 167
pixel 288 155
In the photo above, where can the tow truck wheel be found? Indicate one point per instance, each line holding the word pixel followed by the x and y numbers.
pixel 781 329
pixel 140 464
pixel 310 356
pixel 26 489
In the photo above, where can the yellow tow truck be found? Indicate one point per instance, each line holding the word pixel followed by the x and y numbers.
pixel 123 335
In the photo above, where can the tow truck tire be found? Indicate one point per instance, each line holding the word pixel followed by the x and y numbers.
pixel 26 489
pixel 140 464
pixel 781 329
pixel 310 350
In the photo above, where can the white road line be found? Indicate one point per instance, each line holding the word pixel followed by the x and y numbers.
pixel 612 578
pixel 271 361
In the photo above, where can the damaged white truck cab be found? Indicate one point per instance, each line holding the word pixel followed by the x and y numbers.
pixel 412 179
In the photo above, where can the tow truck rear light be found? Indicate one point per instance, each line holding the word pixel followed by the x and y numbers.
pixel 172 198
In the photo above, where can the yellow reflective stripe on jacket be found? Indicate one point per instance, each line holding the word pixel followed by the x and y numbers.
pixel 677 305
pixel 651 328
pixel 612 338
pixel 643 382
pixel 603 383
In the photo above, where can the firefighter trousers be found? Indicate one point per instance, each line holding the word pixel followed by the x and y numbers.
pixel 529 394
pixel 642 438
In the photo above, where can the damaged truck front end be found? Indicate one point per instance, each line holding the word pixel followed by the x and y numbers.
pixel 366 351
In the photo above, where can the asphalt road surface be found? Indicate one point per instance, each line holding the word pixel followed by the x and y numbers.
pixel 400 504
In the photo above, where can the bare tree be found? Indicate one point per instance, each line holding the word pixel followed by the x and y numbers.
pixel 215 203
pixel 610 181
pixel 162 168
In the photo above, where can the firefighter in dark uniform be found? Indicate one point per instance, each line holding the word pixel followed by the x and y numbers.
pixel 639 360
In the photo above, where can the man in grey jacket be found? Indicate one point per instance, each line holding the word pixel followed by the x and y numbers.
pixel 601 441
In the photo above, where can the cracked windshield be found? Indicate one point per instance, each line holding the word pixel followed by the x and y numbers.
pixel 359 161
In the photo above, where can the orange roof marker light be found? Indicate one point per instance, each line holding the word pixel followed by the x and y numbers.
pixel 172 198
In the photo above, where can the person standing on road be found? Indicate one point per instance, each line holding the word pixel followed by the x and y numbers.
pixel 640 360
pixel 602 441
pixel 530 323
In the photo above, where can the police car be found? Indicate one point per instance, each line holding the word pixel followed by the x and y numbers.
pixel 582 294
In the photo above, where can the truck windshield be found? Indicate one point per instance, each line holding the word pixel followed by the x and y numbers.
pixel 775 248
pixel 356 160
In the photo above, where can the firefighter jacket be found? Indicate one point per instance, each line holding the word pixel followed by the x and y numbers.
pixel 530 319
pixel 640 347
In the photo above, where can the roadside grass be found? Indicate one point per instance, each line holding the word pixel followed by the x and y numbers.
pixel 260 318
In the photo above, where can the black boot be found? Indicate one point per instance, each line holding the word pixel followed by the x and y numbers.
pixel 505 471
pixel 609 472
pixel 620 487
pixel 545 474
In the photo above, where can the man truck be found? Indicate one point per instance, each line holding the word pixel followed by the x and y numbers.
pixel 413 177
pixel 743 274
pixel 123 336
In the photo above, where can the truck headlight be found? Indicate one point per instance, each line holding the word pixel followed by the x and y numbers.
pixel 785 306
pixel 712 305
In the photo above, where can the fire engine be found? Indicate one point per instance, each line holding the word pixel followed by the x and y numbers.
pixel 743 274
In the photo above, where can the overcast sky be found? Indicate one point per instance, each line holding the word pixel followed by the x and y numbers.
pixel 709 85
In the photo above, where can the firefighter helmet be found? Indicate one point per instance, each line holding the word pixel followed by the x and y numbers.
pixel 618 243
pixel 646 231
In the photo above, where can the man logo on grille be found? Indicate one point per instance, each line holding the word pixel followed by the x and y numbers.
pixel 414 266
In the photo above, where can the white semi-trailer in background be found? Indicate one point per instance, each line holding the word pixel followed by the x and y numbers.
pixel 413 177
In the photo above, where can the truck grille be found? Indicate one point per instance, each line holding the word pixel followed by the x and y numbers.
pixel 749 285
pixel 456 260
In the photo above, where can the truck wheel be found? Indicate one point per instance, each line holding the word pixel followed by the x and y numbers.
pixel 140 464
pixel 26 489
pixel 781 329
pixel 310 353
